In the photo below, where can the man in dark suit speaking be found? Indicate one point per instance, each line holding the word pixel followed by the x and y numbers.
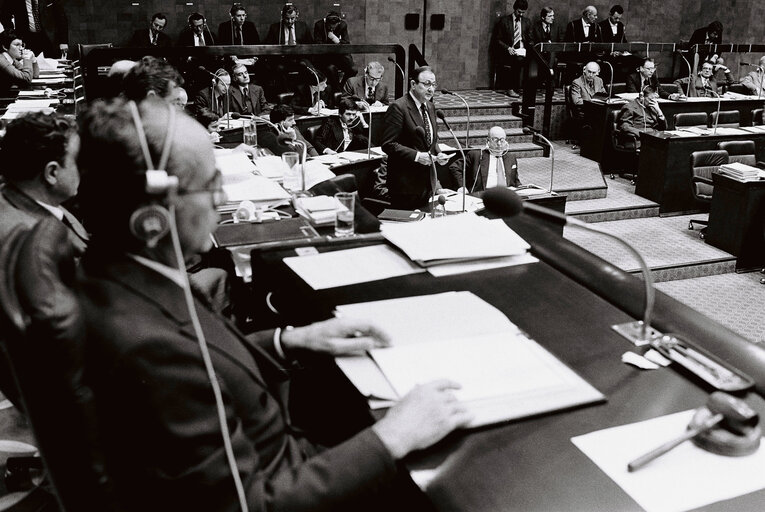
pixel 410 139
pixel 160 407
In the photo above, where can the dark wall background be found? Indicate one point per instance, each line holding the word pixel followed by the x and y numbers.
pixel 459 53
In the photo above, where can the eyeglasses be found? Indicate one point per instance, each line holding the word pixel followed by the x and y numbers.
pixel 214 187
pixel 591 72
pixel 373 78
pixel 496 140
pixel 428 84
pixel 649 69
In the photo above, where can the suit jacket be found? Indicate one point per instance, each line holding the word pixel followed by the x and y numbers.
pixel 249 33
pixel 55 26
pixel 699 37
pixel 635 118
pixel 140 39
pixel 477 170
pixel 10 75
pixel 575 33
pixel 186 37
pixel 503 37
pixel 608 36
pixel 754 82
pixel 356 87
pixel 697 89
pixel 276 35
pixel 635 80
pixel 201 106
pixel 409 183
pixel 257 99
pixel 536 33
pixel 330 135
pixel 580 91
pixel 17 208
pixel 158 417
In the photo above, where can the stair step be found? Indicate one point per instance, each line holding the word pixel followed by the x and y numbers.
pixel 485 122
pixel 525 149
pixel 478 135
pixel 478 110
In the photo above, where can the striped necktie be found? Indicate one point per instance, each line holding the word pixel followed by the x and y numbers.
pixel 517 33
pixel 428 134
pixel 36 15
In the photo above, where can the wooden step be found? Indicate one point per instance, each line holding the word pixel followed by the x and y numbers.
pixel 478 136
pixel 476 111
pixel 484 121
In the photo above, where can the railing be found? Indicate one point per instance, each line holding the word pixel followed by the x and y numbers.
pixel 106 56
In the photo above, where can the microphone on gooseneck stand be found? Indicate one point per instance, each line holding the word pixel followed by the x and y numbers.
pixel 369 127
pixel 687 63
pixel 318 82
pixel 420 133
pixel 717 115
pixel 528 130
pixel 467 108
pixel 440 115
pixel 403 75
pixel 506 203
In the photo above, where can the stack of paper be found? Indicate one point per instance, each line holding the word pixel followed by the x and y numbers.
pixel 320 210
pixel 455 335
pixel 455 238
pixel 741 172
pixel 254 188
pixel 232 164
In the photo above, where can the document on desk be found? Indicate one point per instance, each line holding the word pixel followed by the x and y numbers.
pixel 456 335
pixel 682 479
pixel 350 266
pixel 270 166
pixel 233 163
pixel 254 188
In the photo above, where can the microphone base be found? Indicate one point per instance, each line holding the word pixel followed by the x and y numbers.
pixel 633 331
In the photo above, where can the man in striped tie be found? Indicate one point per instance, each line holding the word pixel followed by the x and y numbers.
pixel 509 44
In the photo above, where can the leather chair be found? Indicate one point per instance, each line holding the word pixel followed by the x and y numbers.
pixel 85 49
pixel 740 89
pixel 618 88
pixel 42 342
pixel 757 117
pixel 691 119
pixel 310 132
pixel 703 164
pixel 625 145
pixel 742 151
pixel 285 98
pixel 728 119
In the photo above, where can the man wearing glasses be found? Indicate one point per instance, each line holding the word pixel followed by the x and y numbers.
pixel 645 75
pixel 490 166
pixel 368 87
pixel 410 139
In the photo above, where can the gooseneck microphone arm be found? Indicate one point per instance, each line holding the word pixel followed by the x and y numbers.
pixel 467 107
pixel 690 72
pixel 442 117
pixel 318 92
pixel 505 202
pixel 611 84
pixel 369 127
pixel 717 117
pixel 403 75
pixel 529 130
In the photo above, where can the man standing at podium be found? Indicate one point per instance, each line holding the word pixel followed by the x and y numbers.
pixel 410 139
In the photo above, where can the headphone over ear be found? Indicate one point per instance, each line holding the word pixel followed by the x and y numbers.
pixel 151 222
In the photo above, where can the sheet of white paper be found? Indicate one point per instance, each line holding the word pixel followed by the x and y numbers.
pixel 682 479
pixel 47 81
pixel 680 133
pixel 254 188
pixel 449 269
pixel 270 166
pixel 315 173
pixel 351 266
pixel 369 380
pixel 233 163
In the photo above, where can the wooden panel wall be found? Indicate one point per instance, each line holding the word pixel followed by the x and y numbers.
pixel 460 52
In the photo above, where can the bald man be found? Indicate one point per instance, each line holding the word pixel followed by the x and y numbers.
pixel 585 29
pixel 491 166
pixel 156 408
pixel 586 87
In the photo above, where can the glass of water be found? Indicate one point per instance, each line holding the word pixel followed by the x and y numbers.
pixel 64 48
pixel 250 131
pixel 345 202
pixel 292 182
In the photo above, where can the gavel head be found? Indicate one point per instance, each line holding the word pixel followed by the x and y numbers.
pixel 738 433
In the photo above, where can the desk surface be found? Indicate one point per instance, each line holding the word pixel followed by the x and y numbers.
pixel 532 464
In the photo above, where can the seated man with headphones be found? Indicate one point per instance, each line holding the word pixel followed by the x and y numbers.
pixel 196 32
pixel 182 397
pixel 343 133
pixel 642 114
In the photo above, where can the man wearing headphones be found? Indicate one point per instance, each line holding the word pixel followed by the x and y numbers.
pixel 491 166
pixel 153 36
pixel 196 32
pixel 289 30
pixel 368 87
pixel 333 29
pixel 160 407
pixel 342 133
pixel 642 114
pixel 210 104
pixel 238 30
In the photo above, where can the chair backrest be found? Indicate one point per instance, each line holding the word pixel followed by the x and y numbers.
pixel 618 88
pixel 285 98
pixel 671 88
pixel 43 333
pixel 739 88
pixel 757 116
pixel 703 164
pixel 742 151
pixel 728 118
pixel 85 49
pixel 569 102
pixel 687 119
pixel 310 132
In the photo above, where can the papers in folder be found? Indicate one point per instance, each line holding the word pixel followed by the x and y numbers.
pixel 455 238
pixel 504 375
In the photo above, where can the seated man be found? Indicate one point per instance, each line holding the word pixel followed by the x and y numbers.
pixel 491 166
pixel 642 114
pixel 151 77
pixel 586 87
pixel 333 29
pixel 210 103
pixel 368 87
pixel 196 33
pixel 283 117
pixel 247 98
pixel 153 36
pixel 645 75
pixel 754 79
pixel 312 95
pixel 704 84
pixel 343 133
pixel 158 411
pixel 237 30
pixel 40 172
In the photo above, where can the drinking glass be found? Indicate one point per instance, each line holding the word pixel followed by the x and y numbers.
pixel 292 181
pixel 344 213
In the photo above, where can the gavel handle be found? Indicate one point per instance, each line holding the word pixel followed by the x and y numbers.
pixel 661 450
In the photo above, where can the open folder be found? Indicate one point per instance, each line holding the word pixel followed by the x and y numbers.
pixel 456 335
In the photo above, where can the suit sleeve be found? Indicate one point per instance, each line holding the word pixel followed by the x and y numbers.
pixel 393 123
pixel 21 77
pixel 383 94
pixel 272 37
pixel 576 93
pixel 323 136
pixel 625 121
pixel 501 37
pixel 455 169
pixel 632 85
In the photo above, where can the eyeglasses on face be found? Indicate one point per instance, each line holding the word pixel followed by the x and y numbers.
pixel 428 84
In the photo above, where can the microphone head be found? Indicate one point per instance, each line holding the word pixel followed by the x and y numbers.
pixel 502 201
pixel 390 59
pixel 235 115
pixel 446 91
pixel 441 200
pixel 440 114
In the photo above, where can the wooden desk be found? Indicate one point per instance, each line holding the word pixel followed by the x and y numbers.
pixel 664 174
pixel 531 465
pixel 597 146
pixel 736 220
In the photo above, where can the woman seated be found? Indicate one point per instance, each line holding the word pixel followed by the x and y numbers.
pixel 18 66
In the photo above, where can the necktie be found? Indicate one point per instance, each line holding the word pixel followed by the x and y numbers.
pixel 239 36
pixel 547 32
pixel 154 39
pixel 36 15
pixel 428 135
pixel 517 32
pixel 245 99
pixel 370 93
pixel 201 39
pixel 501 180
pixel 73 224
pixel 291 40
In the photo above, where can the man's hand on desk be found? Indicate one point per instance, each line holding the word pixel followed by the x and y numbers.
pixel 423 417
pixel 337 336
pixel 328 151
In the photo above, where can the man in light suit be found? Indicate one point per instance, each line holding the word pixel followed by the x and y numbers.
pixel 509 44
pixel 368 87
pixel 39 166
pixel 704 83
pixel 586 87
pixel 157 411
pixel 238 30
pixel 410 139
pixel 492 166
pixel 247 98
pixel 342 133
pixel 152 36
